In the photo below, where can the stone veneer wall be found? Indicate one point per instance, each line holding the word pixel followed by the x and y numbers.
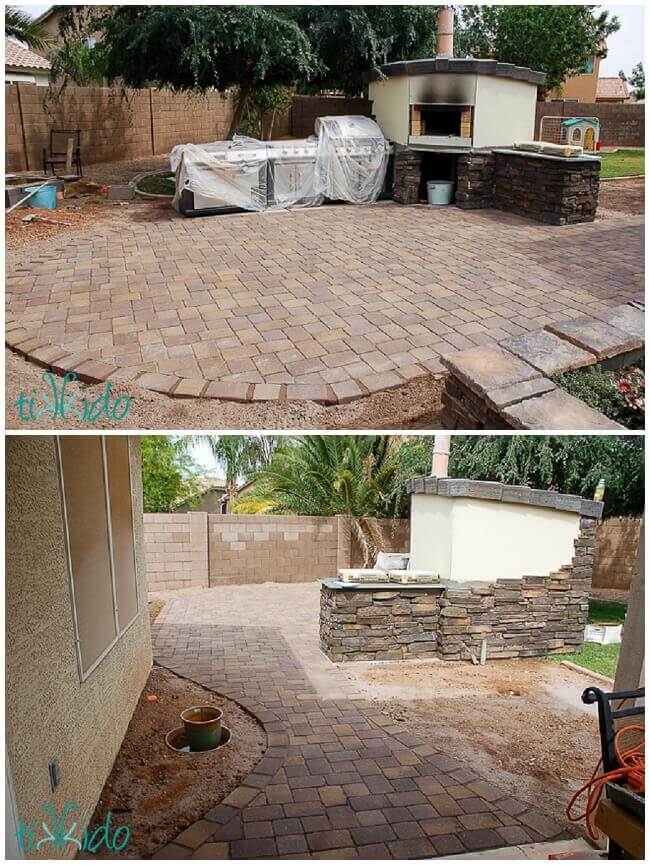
pixel 197 549
pixel 407 174
pixel 526 617
pixel 475 180
pixel 550 190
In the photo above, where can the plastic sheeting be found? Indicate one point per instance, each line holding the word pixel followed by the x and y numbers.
pixel 352 159
pixel 347 162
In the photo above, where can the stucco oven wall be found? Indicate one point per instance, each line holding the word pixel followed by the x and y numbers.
pixel 50 713
pixel 474 539
pixel 504 112
pixel 390 106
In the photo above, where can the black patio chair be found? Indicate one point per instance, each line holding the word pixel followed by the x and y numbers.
pixel 58 150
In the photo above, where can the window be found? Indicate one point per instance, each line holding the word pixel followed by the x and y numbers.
pixel 98 517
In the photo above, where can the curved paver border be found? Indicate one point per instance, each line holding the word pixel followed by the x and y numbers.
pixel 277 743
pixel 92 371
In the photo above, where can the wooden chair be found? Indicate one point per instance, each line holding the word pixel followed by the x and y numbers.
pixel 65 149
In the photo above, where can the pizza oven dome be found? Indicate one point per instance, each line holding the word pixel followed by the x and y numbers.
pixel 454 104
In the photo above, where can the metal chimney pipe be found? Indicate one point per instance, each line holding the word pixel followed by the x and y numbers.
pixel 440 461
pixel 446 31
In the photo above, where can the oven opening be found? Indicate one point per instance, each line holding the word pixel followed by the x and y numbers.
pixel 441 120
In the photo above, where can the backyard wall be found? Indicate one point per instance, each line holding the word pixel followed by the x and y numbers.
pixel 50 713
pixel 616 545
pixel 149 122
pixel 622 125
pixel 202 550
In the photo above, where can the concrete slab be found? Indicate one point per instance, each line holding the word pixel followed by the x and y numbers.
pixel 548 353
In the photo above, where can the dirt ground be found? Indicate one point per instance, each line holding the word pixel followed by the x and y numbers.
pixel 622 196
pixel 415 406
pixel 522 721
pixel 156 792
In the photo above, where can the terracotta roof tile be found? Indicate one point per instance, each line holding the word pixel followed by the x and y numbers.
pixel 17 55
pixel 611 88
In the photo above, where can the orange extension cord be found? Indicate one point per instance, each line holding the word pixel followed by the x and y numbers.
pixel 631 772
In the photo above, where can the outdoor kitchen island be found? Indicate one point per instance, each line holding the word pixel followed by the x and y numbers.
pixel 515 566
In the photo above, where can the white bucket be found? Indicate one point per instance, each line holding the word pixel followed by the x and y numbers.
pixel 440 192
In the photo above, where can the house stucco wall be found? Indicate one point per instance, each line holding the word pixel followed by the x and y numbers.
pixel 50 713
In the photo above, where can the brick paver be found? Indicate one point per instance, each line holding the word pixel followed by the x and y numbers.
pixel 325 304
pixel 338 779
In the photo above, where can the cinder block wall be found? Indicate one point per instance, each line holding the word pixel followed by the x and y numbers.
pixel 176 548
pixel 148 122
pixel 622 125
pixel 616 545
pixel 201 550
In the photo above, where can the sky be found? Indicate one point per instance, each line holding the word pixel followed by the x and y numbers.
pixel 625 47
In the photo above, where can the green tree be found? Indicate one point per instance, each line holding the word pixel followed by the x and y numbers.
pixel 261 109
pixel 20 26
pixel 636 80
pixel 79 59
pixel 241 456
pixel 568 464
pixel 169 475
pixel 198 48
pixel 351 40
pixel 558 40
pixel 321 475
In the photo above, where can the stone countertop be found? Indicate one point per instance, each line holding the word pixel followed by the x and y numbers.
pixel 530 154
pixel 379 587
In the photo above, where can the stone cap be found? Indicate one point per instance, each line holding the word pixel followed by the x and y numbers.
pixel 431 65
pixel 498 492
pixel 528 154
pixel 331 583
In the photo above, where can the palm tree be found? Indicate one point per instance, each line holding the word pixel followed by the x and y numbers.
pixel 321 475
pixel 20 26
pixel 241 456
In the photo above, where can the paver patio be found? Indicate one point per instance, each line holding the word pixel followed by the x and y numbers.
pixel 328 304
pixel 339 779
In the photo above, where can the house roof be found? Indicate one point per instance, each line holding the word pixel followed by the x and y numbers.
pixel 612 88
pixel 19 57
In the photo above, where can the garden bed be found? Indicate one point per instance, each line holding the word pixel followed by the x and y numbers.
pixel 619 395
pixel 156 792
pixel 160 183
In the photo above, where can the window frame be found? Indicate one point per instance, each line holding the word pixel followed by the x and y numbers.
pixel 84 674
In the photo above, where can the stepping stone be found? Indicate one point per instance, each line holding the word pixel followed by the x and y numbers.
pixel 627 318
pixel 548 353
pixel 488 368
pixel 596 336
pixel 557 410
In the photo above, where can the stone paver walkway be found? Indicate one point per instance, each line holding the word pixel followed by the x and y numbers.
pixel 326 304
pixel 339 779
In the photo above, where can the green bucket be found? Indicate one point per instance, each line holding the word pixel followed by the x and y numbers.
pixel 202 727
pixel 440 192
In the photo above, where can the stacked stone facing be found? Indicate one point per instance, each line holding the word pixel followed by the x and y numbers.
pixel 475 180
pixel 556 191
pixel 528 617
pixel 407 175
pixel 390 624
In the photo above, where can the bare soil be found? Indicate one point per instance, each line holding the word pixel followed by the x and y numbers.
pixel 156 792
pixel 522 722
pixel 416 405
pixel 622 196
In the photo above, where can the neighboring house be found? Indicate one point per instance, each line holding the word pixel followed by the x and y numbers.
pixel 213 499
pixel 25 66
pixel 49 21
pixel 612 90
pixel 78 644
pixel 579 88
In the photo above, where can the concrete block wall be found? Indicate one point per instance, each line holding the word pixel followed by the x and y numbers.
pixel 148 122
pixel 197 549
pixel 283 549
pixel 176 549
pixel 616 544
pixel 622 124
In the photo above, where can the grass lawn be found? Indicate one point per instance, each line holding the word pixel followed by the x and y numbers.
pixel 606 613
pixel 157 184
pixel 593 656
pixel 622 163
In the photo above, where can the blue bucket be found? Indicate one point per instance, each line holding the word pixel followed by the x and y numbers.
pixel 46 197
